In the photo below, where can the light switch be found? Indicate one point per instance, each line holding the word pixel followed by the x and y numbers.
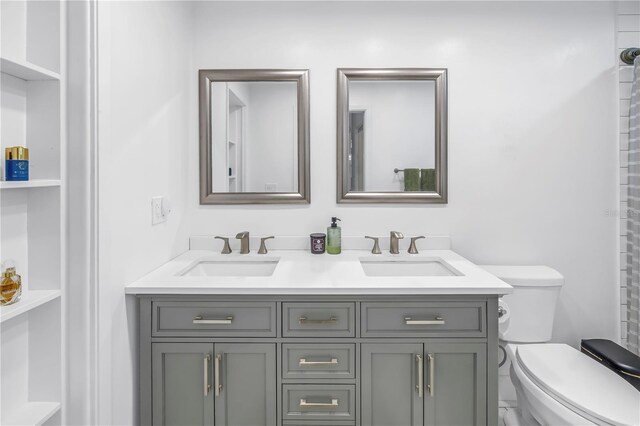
pixel 160 209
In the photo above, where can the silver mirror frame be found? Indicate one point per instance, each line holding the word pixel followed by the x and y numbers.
pixel 207 196
pixel 437 75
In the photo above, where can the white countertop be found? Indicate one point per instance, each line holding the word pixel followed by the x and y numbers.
pixel 300 272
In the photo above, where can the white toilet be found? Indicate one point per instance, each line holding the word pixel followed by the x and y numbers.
pixel 555 384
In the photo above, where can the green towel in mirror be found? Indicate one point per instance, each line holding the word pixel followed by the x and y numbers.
pixel 427 180
pixel 412 179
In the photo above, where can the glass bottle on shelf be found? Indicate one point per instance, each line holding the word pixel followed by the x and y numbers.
pixel 10 287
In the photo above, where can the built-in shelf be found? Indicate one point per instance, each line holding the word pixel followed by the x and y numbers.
pixel 35 183
pixel 33 413
pixel 33 217
pixel 29 300
pixel 26 71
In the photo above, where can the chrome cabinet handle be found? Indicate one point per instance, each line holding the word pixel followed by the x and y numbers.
pixel 332 361
pixel 435 321
pixel 216 374
pixel 432 367
pixel 420 385
pixel 305 320
pixel 200 320
pixel 207 386
pixel 333 403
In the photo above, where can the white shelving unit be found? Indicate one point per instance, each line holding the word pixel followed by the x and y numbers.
pixel 34 183
pixel 26 71
pixel 30 300
pixel 32 213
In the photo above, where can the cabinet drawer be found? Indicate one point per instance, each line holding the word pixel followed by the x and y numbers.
pixel 237 319
pixel 318 319
pixel 319 402
pixel 316 361
pixel 457 319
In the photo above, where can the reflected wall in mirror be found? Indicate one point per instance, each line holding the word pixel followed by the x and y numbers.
pixel 392 139
pixel 254 136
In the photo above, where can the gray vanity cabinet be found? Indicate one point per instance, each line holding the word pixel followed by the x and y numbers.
pixel 390 376
pixel 455 384
pixel 247 382
pixel 287 360
pixel 439 384
pixel 179 373
pixel 185 377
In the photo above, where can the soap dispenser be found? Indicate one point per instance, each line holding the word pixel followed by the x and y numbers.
pixel 334 237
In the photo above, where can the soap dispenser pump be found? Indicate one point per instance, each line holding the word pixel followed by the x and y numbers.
pixel 334 237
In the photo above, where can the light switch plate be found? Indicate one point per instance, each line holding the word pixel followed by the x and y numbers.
pixel 158 212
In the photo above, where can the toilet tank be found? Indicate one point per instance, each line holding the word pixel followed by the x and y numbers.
pixel 530 309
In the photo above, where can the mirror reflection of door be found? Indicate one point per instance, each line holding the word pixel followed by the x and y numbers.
pixel 391 126
pixel 254 136
pixel 235 141
pixel 356 150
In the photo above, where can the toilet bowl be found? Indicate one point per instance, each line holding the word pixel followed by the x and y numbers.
pixel 555 384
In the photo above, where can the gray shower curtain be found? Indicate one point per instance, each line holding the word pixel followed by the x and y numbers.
pixel 633 221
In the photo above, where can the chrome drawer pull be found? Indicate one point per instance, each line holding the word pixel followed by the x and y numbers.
pixel 435 321
pixel 207 386
pixel 216 375
pixel 432 372
pixel 420 385
pixel 200 320
pixel 305 320
pixel 333 403
pixel 332 361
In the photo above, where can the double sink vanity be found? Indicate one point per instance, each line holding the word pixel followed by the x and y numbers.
pixel 287 337
pixel 293 338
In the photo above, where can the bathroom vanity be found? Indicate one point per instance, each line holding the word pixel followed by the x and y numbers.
pixel 318 340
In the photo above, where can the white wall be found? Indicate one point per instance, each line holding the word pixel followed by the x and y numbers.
pixel 627 35
pixel 398 131
pixel 146 127
pixel 532 129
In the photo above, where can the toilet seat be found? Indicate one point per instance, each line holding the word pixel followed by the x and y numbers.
pixel 580 384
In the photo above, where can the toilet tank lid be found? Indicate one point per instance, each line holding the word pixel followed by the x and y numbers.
pixel 526 275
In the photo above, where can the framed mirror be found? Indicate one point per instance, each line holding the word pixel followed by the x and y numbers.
pixel 392 135
pixel 254 136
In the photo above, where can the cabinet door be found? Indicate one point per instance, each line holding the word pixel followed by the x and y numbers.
pixel 247 384
pixel 389 384
pixel 456 387
pixel 180 375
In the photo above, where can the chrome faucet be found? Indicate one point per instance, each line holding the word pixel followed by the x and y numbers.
pixel 394 237
pixel 244 241
pixel 226 249
pixel 263 245
pixel 412 247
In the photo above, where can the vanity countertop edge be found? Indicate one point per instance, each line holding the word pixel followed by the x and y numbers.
pixel 302 273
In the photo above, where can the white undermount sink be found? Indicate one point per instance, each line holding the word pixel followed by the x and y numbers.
pixel 407 267
pixel 263 267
